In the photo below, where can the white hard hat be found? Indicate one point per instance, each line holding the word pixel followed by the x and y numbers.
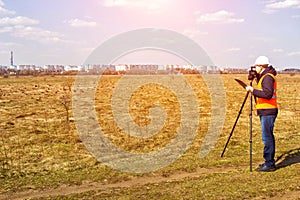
pixel 262 60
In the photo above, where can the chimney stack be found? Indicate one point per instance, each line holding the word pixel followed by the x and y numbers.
pixel 11 58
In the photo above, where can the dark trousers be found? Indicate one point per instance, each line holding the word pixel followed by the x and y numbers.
pixel 267 126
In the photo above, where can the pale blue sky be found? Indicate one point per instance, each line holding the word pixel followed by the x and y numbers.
pixel 232 32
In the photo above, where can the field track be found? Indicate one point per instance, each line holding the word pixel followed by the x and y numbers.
pixel 133 182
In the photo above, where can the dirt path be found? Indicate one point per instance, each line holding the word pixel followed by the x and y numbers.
pixel 291 195
pixel 134 181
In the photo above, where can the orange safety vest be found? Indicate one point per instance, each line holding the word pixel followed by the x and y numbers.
pixel 267 103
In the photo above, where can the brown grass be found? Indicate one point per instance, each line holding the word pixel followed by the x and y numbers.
pixel 40 148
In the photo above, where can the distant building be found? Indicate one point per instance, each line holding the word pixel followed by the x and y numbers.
pixel 73 68
pixel 202 69
pixel 27 67
pixel 12 68
pixel 53 68
pixel 2 67
pixel 122 67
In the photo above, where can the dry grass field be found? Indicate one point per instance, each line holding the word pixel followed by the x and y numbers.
pixel 43 157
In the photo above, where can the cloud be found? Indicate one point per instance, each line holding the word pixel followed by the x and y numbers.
pixel 34 33
pixel 273 6
pixel 277 50
pixel 78 23
pixel 23 27
pixel 6 29
pixel 219 17
pixel 150 6
pixel 284 4
pixel 37 34
pixel 295 53
pixel 4 11
pixel 20 20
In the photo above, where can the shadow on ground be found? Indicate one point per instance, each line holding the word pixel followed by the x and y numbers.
pixel 288 158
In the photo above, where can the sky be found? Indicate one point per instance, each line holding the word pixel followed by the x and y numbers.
pixel 232 32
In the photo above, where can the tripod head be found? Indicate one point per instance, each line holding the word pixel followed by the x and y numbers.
pixel 252 74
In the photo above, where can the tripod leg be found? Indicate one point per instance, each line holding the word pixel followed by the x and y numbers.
pixel 240 112
pixel 250 124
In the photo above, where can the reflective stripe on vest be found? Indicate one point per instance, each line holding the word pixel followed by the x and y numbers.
pixel 267 103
